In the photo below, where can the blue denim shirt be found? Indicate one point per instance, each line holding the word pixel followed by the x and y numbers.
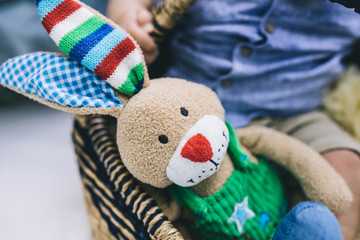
pixel 264 57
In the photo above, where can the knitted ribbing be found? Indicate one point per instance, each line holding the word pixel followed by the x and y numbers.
pixel 87 38
pixel 258 184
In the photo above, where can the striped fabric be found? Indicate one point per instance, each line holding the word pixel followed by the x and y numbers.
pixel 118 207
pixel 85 37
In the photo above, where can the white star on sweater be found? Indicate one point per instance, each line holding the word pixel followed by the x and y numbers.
pixel 241 213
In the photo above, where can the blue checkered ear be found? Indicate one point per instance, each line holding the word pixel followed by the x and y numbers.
pixel 61 82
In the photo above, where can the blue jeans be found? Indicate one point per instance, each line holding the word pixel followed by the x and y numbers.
pixel 310 221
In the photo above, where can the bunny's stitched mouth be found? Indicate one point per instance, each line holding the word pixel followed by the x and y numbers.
pixel 216 164
pixel 225 136
pixel 211 169
pixel 212 161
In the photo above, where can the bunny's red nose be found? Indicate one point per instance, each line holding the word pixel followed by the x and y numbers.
pixel 197 149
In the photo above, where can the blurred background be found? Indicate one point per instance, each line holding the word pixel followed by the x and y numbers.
pixel 40 188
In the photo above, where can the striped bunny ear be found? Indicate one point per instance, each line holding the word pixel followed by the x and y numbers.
pixel 61 83
pixel 95 42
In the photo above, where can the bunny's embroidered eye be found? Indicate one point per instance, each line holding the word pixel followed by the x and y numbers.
pixel 163 139
pixel 184 112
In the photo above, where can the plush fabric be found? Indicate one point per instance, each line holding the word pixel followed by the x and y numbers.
pixel 58 79
pixel 86 37
pixel 319 181
pixel 252 192
pixel 157 111
pixel 188 170
pixel 197 149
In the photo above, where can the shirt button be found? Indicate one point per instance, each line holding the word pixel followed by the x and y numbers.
pixel 246 51
pixel 269 27
pixel 227 82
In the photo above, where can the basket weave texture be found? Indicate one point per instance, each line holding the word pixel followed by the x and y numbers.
pixel 118 207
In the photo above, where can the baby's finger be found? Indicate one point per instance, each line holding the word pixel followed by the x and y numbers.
pixel 143 17
pixel 144 40
pixel 148 27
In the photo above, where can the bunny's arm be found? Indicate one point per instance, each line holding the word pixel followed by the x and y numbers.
pixel 320 182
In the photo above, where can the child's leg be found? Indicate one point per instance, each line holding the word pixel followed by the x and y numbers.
pixel 308 220
pixel 347 164
pixel 318 131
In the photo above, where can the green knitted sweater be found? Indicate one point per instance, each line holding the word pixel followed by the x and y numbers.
pixel 249 206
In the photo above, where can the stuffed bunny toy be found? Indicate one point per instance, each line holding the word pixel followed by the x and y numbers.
pixel 170 132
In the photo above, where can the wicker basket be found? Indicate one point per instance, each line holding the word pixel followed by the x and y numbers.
pixel 118 207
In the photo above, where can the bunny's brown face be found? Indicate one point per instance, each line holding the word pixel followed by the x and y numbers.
pixel 164 137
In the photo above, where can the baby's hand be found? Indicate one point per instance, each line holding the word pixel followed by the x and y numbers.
pixel 135 18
